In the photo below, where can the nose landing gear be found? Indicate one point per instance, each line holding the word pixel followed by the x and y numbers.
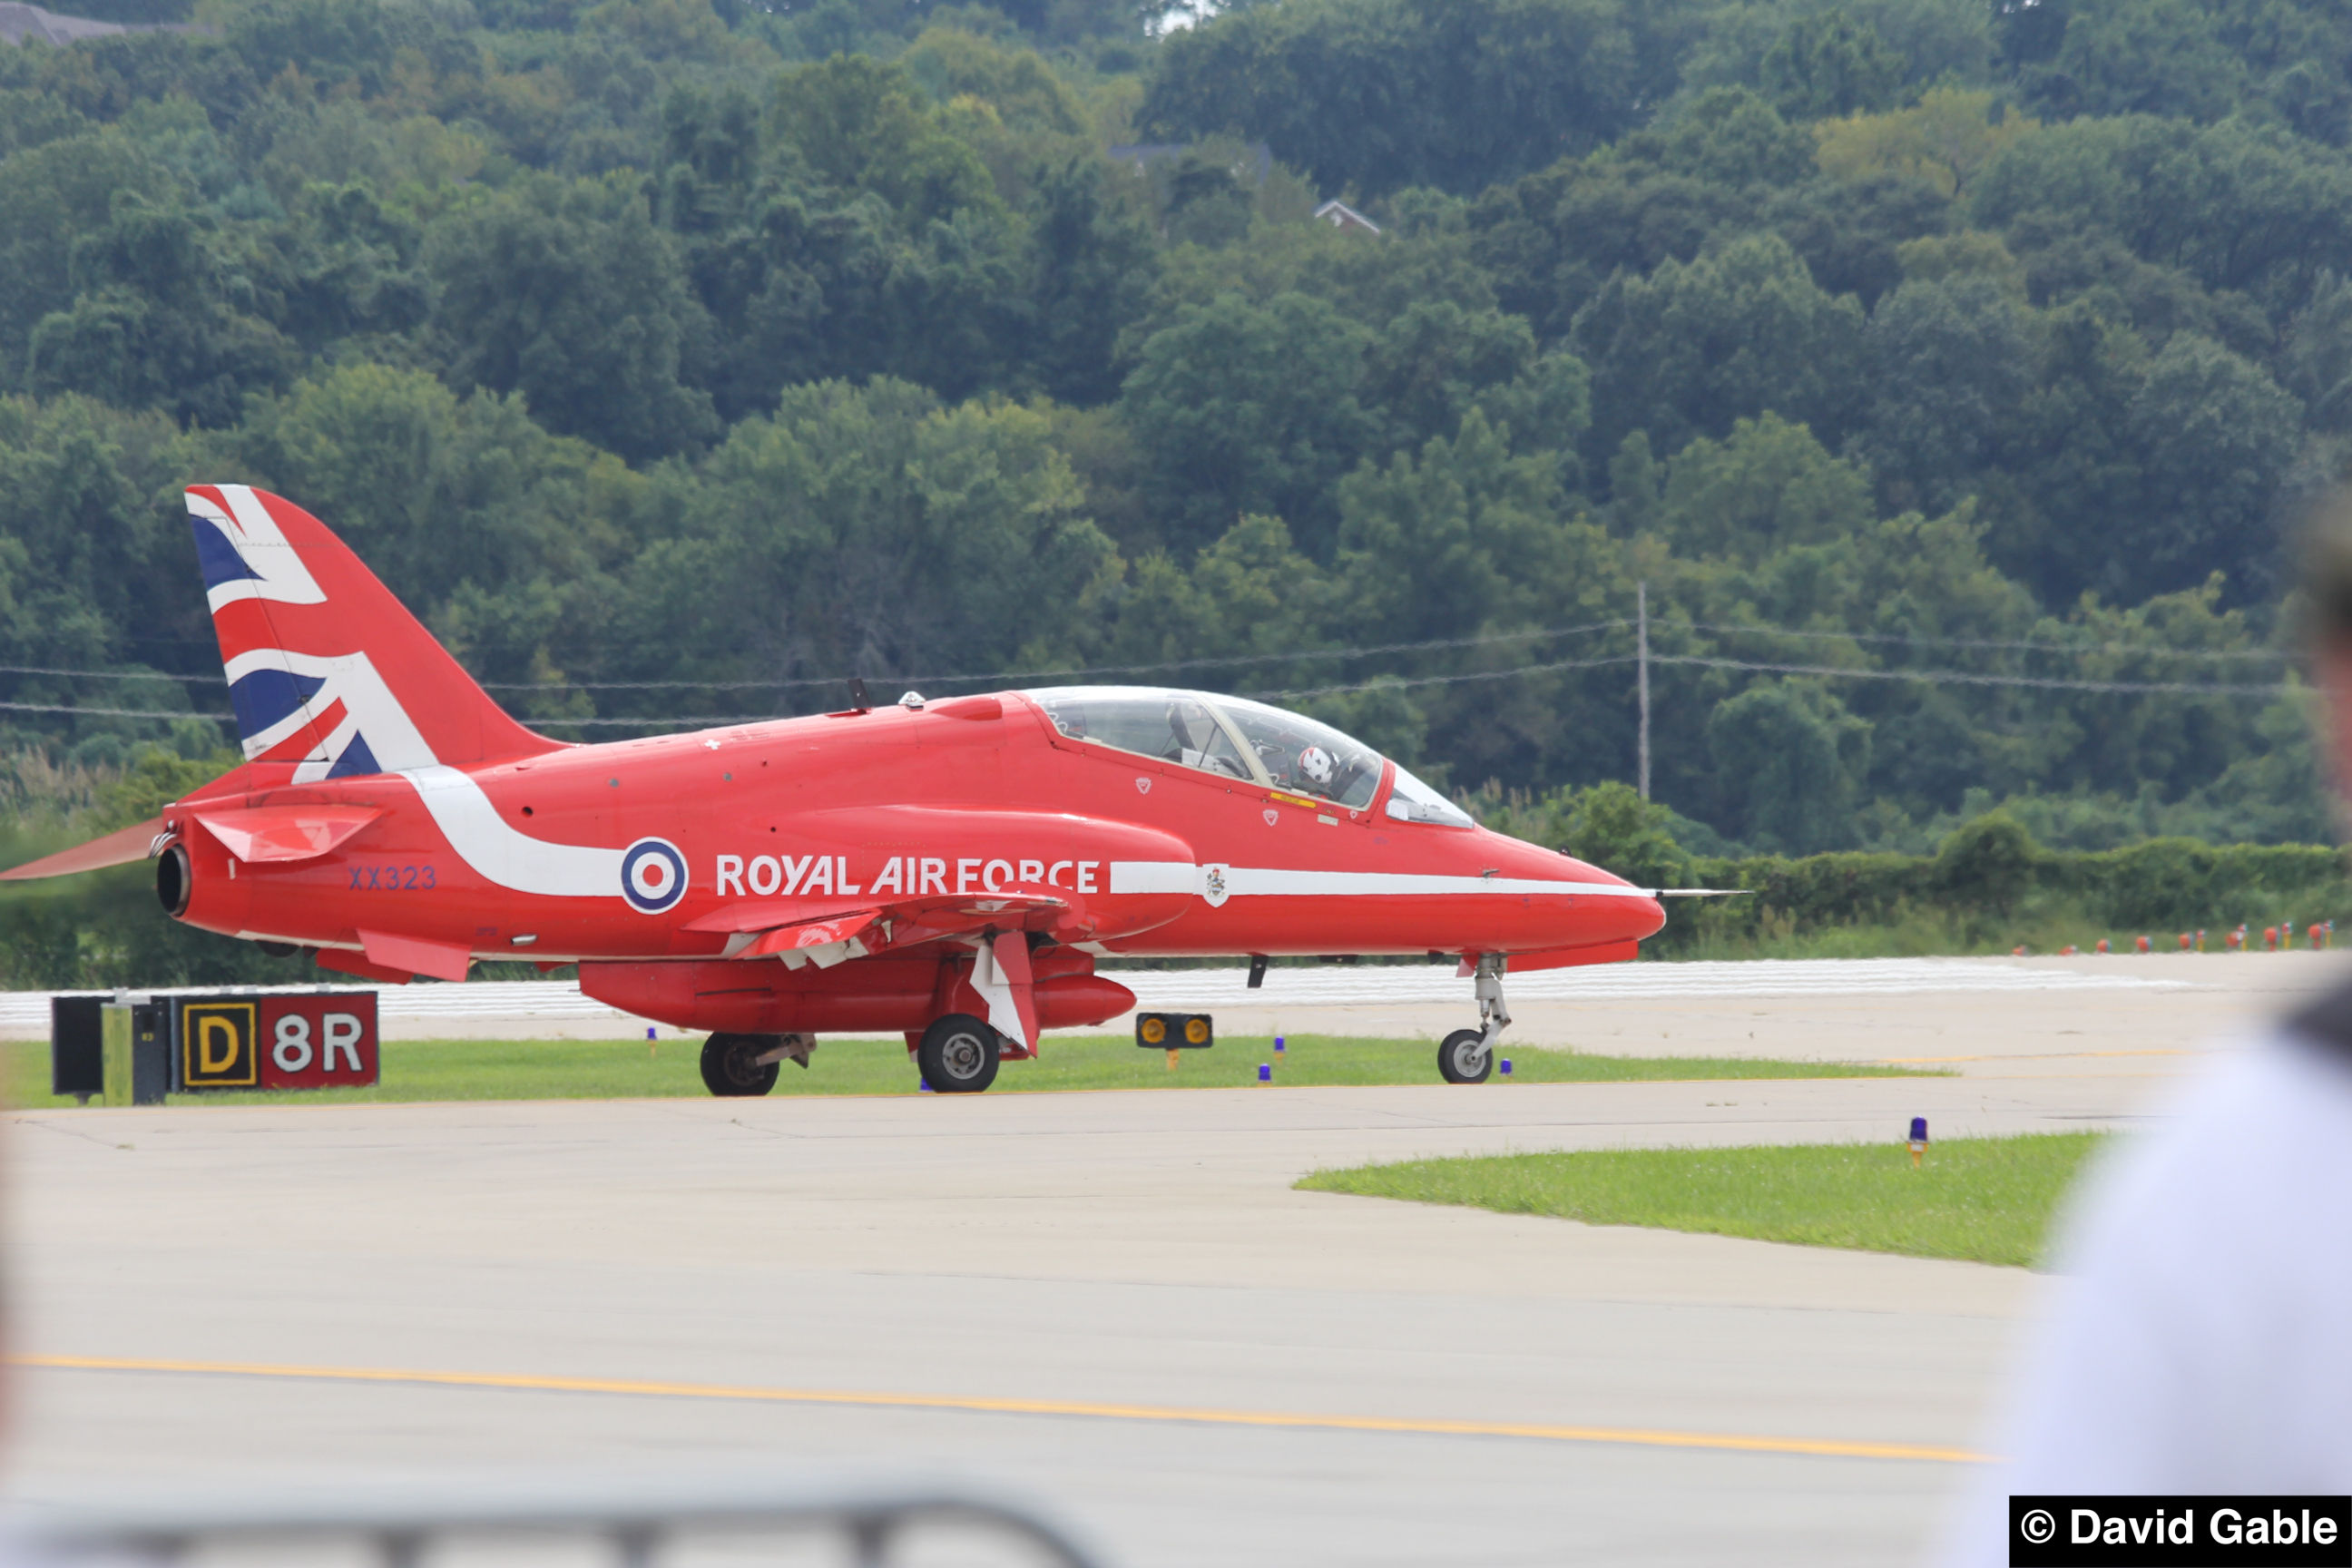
pixel 1467 1056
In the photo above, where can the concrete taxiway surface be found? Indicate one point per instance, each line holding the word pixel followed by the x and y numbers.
pixel 1113 1301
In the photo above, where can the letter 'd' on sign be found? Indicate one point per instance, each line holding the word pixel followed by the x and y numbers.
pixel 216 1041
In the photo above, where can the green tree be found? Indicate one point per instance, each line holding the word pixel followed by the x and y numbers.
pixel 1609 826
pixel 1828 64
pixel 1790 764
pixel 50 195
pixel 863 126
pixel 1690 349
pixel 2215 435
pixel 867 529
pixel 569 295
pixel 1986 866
pixel 1949 363
pixel 2126 57
pixel 1240 408
pixel 1380 94
pixel 1766 486
pixel 154 322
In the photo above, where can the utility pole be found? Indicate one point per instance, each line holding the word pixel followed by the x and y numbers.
pixel 1642 676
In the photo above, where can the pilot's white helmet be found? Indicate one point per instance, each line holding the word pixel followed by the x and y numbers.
pixel 1316 764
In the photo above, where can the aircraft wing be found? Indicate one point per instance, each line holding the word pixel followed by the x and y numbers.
pixel 117 848
pixel 829 931
pixel 825 932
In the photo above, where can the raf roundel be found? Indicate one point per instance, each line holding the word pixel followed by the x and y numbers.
pixel 653 874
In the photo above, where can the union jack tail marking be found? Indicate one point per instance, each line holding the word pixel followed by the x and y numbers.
pixel 327 670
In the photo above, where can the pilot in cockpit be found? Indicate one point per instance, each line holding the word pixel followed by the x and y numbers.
pixel 1234 738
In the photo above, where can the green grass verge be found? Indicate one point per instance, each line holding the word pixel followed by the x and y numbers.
pixel 620 1069
pixel 1985 1200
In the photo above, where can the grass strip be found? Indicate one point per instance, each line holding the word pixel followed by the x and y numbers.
pixel 636 1070
pixel 1982 1200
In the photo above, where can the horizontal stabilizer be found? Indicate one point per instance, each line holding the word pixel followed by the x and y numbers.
pixel 117 848
pixel 1700 892
pixel 265 832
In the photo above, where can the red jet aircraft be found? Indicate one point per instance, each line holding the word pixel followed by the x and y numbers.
pixel 948 869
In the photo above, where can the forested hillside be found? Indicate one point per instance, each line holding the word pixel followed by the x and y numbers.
pixel 1948 373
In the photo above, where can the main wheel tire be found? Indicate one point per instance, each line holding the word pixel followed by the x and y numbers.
pixel 1464 1057
pixel 731 1067
pixel 958 1054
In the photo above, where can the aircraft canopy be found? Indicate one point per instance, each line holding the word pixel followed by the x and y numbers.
pixel 1239 738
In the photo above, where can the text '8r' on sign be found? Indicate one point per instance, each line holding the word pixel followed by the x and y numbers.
pixel 320 1039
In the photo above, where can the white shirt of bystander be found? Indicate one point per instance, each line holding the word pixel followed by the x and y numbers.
pixel 2200 1336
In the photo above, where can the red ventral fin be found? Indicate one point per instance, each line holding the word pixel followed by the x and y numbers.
pixel 343 961
pixel 441 960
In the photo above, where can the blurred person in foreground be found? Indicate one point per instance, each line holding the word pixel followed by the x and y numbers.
pixel 2200 1340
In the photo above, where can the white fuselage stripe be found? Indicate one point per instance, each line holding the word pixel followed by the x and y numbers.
pixel 512 859
pixel 1269 881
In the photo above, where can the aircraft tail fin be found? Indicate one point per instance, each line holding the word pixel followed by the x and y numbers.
pixel 326 669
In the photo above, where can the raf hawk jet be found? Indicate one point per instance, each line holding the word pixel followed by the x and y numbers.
pixel 948 869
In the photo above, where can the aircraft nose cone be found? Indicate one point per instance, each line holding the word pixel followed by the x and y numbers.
pixel 1645 917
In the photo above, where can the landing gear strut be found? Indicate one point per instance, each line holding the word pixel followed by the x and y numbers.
pixel 731 1065
pixel 1467 1056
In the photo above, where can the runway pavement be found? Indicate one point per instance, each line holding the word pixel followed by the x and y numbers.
pixel 1114 1302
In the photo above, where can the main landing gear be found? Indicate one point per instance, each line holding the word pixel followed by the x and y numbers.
pixel 1467 1056
pixel 745 1065
pixel 958 1054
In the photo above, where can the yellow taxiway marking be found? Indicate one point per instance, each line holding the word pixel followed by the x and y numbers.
pixel 2028 1056
pixel 1827 1448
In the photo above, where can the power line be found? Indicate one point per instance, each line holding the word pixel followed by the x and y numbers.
pixel 111 712
pixel 1971 677
pixel 2271 654
pixel 1228 661
pixel 109 674
pixel 1928 677
pixel 1393 683
pixel 1482 640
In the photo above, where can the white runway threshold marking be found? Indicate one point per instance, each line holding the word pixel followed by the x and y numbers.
pixel 1335 985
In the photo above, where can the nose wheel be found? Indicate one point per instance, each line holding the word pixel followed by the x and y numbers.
pixel 1467 1056
pixel 1464 1056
